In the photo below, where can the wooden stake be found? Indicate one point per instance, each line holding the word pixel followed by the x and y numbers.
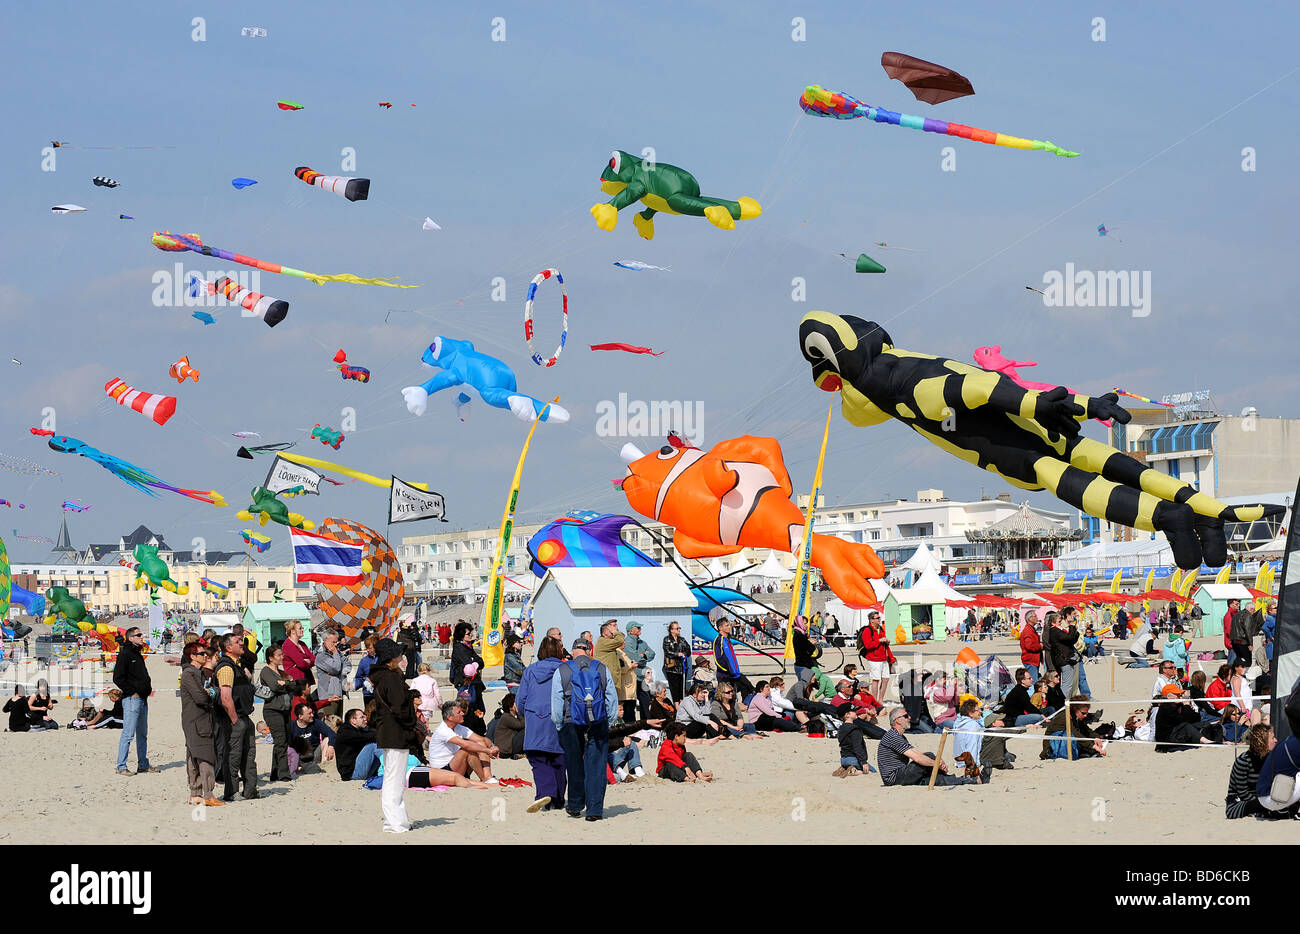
pixel 1112 672
pixel 934 772
pixel 1069 747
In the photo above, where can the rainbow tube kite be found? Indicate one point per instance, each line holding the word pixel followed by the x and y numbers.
pixel 260 542
pixel 354 189
pixel 150 405
pixel 178 243
pixel 271 310
pixel 821 102
pixel 217 590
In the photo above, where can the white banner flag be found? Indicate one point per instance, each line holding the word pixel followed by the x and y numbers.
pixel 408 504
pixel 286 475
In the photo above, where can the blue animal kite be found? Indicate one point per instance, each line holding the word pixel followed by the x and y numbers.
pixel 462 365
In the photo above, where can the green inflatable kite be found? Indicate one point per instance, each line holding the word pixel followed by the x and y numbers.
pixel 665 188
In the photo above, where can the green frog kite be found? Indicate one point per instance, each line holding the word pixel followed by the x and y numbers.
pixel 665 188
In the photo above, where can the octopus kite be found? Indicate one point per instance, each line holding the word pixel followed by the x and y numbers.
pixel 1031 439
pixel 127 472
pixel 662 187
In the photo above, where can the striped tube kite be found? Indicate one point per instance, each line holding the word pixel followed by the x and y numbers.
pixel 821 102
pixel 149 404
pixel 178 243
pixel 354 189
pixel 271 310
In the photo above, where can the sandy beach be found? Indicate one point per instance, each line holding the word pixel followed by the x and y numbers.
pixel 61 788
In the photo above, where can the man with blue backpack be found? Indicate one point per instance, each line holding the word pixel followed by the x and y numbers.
pixel 583 707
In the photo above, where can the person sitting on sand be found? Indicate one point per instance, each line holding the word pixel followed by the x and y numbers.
pixel 508 733
pixel 419 775
pixel 453 747
pixel 903 764
pixel 853 747
pixel 1053 695
pixel 625 751
pixel 40 707
pixel 941 694
pixel 307 735
pixel 110 718
pixel 785 706
pixel 1241 800
pixel 696 716
pixel 725 711
pixel 675 763
pixel 1017 706
pixel 661 706
pixel 763 715
pixel 702 673
pixel 1277 777
pixel 356 749
pixel 986 752
pixel 16 707
pixel 1086 742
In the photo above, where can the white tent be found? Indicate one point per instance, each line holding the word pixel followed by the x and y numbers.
pixel 922 560
pixel 773 570
pixel 929 589
pixel 1276 547
pixel 716 569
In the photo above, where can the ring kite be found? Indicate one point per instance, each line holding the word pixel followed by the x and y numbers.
pixel 821 102
pixel 528 316
pixel 1031 439
pixel 178 243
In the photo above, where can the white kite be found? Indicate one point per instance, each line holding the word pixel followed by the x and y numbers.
pixel 637 266
pixel 68 209
pixel 430 225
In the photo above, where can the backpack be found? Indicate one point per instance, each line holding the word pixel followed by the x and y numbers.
pixel 583 682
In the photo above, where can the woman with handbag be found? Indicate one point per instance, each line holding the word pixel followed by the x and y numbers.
pixel 277 691
pixel 395 730
pixel 677 661
pixel 197 703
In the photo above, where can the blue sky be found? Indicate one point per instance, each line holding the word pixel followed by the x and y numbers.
pixel 504 150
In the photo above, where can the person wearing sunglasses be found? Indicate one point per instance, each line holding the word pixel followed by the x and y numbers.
pixel 132 677
pixel 196 724
pixel 901 763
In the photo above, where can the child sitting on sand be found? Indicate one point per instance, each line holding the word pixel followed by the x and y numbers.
pixel 675 763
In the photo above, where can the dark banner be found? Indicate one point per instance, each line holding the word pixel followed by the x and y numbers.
pixel 1286 639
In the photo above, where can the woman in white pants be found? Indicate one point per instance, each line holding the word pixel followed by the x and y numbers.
pixel 394 722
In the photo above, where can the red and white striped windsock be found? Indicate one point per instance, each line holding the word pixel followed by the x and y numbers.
pixel 354 189
pixel 271 310
pixel 149 404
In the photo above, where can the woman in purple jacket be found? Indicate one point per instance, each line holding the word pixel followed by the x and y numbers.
pixel 541 739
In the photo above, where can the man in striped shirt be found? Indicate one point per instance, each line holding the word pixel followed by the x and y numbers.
pixel 902 764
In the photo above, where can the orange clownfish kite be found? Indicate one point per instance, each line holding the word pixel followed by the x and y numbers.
pixel 737 496
pixel 181 370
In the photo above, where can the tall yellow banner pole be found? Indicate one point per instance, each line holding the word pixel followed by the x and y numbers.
pixel 494 650
pixel 800 596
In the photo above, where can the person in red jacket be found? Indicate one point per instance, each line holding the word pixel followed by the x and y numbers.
pixel 1031 646
pixel 1219 692
pixel 299 660
pixel 675 763
pixel 875 653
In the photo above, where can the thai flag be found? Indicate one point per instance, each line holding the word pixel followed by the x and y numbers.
pixel 325 560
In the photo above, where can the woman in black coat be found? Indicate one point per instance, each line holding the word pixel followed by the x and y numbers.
pixel 462 654
pixel 677 660
pixel 394 722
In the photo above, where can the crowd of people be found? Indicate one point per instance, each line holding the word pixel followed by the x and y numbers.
pixel 595 713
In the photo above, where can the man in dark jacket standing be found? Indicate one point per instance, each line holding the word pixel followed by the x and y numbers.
pixel 237 693
pixel 132 679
